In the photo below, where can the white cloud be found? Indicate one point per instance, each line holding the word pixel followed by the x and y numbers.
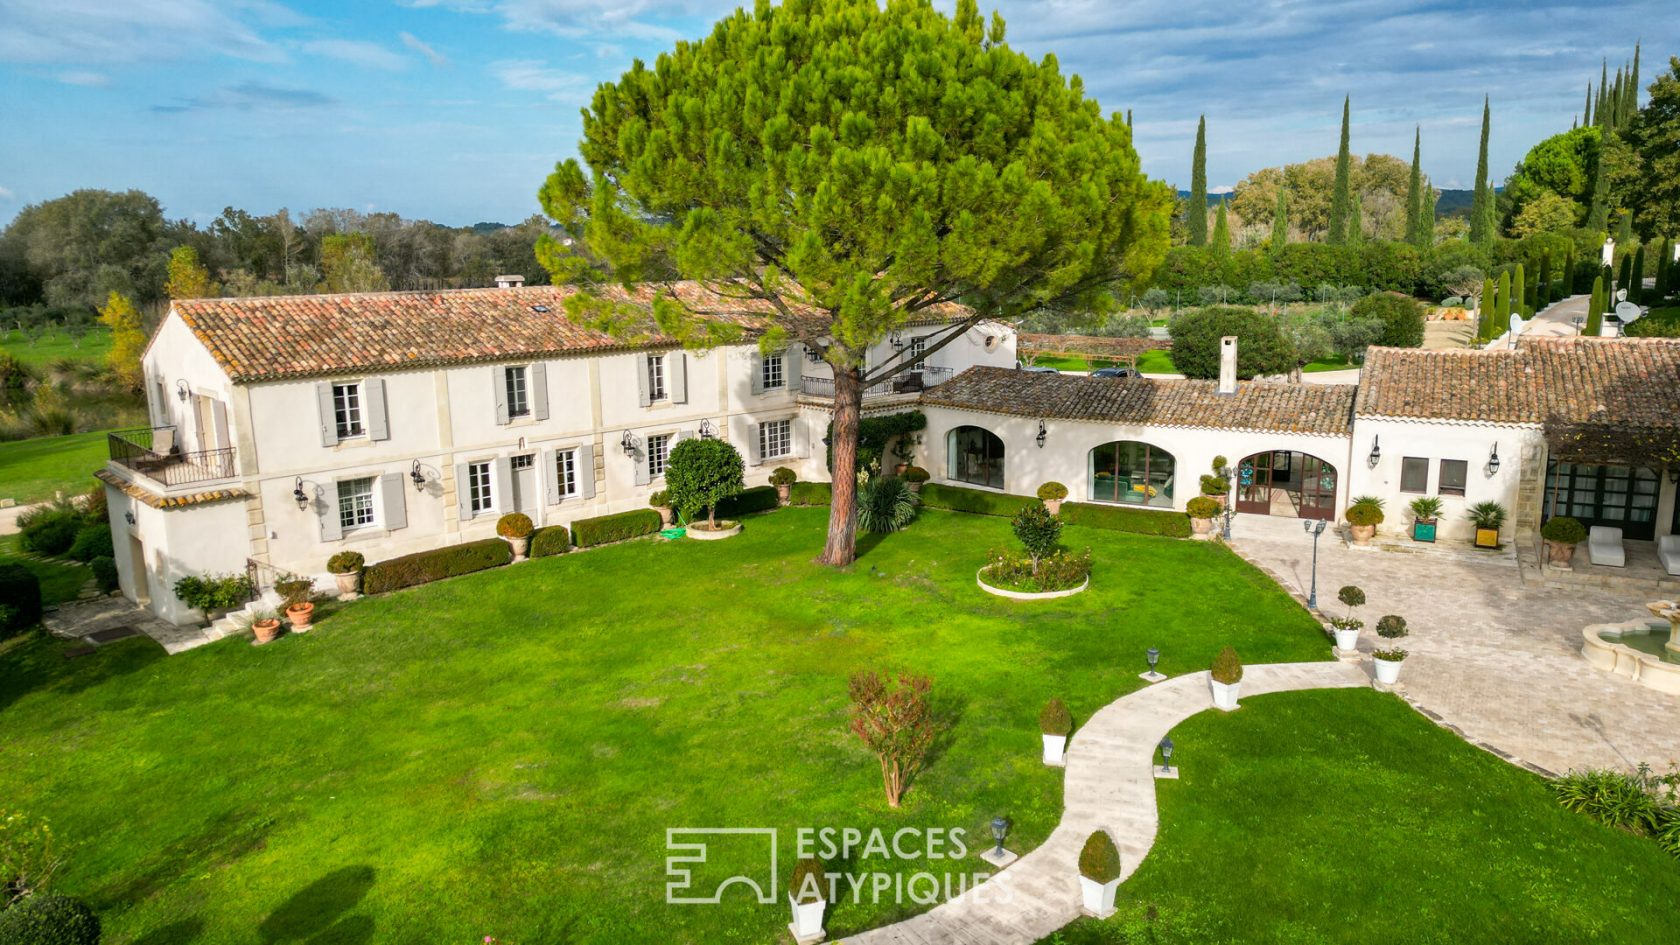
pixel 81 31
pixel 423 48
pixel 535 75
pixel 83 77
pixel 6 193
pixel 356 52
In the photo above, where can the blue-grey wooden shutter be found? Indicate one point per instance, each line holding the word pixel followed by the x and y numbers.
pixel 640 365
pixel 393 501
pixel 584 464
pixel 676 376
pixel 756 362
pixel 463 490
pixel 501 490
pixel 551 475
pixel 329 420
pixel 498 383
pixel 755 455
pixel 640 458
pixel 377 422
pixel 537 379
pixel 332 529
pixel 793 367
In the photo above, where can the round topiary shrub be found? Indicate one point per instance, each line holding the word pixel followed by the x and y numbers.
pixel 105 573
pixel 1215 485
pixel 1364 515
pixel 49 919
pixel 1052 492
pixel 808 882
pixel 1099 861
pixel 701 473
pixel 92 541
pixel 1201 507
pixel 783 476
pixel 1055 719
pixel 1227 668
pixel 1392 627
pixel 1352 596
pixel 514 525
pixel 346 562
pixel 915 474
pixel 20 589
pixel 551 540
pixel 1564 530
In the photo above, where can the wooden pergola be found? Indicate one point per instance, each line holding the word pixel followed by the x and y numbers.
pixel 1031 346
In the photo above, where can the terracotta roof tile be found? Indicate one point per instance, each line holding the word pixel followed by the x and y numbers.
pixel 156 501
pixel 1319 409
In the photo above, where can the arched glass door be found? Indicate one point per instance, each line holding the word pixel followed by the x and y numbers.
pixel 1287 483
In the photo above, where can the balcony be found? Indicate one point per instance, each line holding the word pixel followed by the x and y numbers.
pixel 155 453
pixel 910 382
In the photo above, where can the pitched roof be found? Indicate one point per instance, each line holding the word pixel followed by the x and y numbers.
pixel 1319 409
pixel 1626 382
pixel 278 337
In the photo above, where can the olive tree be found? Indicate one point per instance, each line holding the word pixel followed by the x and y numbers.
pixel 838 168
pixel 701 473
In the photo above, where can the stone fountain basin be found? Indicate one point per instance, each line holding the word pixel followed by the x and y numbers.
pixel 1602 646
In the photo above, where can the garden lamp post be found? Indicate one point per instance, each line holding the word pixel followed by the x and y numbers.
pixel 1000 829
pixel 1315 529
pixel 1153 656
pixel 1166 754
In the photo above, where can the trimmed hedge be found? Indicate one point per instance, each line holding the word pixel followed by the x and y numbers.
pixel 105 572
pixel 92 541
pixel 552 540
pixel 1119 518
pixel 49 919
pixel 426 566
pixel 811 493
pixel 588 532
pixel 20 593
pixel 756 499
pixel 958 499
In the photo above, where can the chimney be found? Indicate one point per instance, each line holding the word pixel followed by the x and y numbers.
pixel 510 282
pixel 1228 364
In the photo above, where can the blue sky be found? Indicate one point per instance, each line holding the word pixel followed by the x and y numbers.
pixel 454 110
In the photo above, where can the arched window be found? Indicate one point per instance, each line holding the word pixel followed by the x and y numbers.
pixel 1132 473
pixel 973 454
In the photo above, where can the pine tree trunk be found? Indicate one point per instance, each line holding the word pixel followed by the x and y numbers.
pixel 841 549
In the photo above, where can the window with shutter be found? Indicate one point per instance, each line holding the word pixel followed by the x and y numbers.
pixel 355 503
pixel 347 410
pixel 656 378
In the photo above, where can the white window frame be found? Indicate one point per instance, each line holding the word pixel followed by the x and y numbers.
pixel 772 372
pixel 918 350
pixel 349 410
pixel 658 454
pixel 357 509
pixel 516 387
pixel 566 473
pixel 481 487
pixel 657 378
pixel 772 431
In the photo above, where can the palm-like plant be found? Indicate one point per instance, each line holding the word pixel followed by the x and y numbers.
pixel 1489 515
pixel 885 504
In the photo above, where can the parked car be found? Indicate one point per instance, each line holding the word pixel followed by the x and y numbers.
pixel 1037 369
pixel 1112 372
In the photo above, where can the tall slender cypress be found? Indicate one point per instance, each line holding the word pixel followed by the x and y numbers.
pixel 1595 309
pixel 1280 220
pixel 1340 203
pixel 1624 228
pixel 1519 294
pixel 1484 307
pixel 1501 311
pixel 1568 275
pixel 1600 111
pixel 1356 220
pixel 1195 215
pixel 1633 84
pixel 1414 193
pixel 1636 290
pixel 1221 231
pixel 1624 275
pixel 1481 201
pixel 1586 112
pixel 1598 209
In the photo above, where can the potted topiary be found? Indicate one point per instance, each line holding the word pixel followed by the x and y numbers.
pixel 1226 679
pixel 346 568
pixel 660 501
pixel 1426 512
pixel 1388 659
pixel 1347 628
pixel 1218 486
pixel 265 624
pixel 1099 874
pixel 295 591
pixel 807 896
pixel 783 479
pixel 915 476
pixel 1562 534
pixel 1052 494
pixel 1055 723
pixel 701 473
pixel 1489 518
pixel 1201 510
pixel 516 527
pixel 1363 516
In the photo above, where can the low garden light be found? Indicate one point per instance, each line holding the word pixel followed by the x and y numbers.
pixel 298 494
pixel 1153 655
pixel 1166 753
pixel 1042 434
pixel 418 477
pixel 1493 461
pixel 182 391
pixel 1376 452
pixel 1000 830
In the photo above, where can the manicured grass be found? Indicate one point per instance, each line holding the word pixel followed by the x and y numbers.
pixel 501 754
pixel 55 345
pixel 1344 816
pixel 1660 322
pixel 32 470
pixel 1332 363
pixel 61 579
pixel 1156 362
pixel 1150 362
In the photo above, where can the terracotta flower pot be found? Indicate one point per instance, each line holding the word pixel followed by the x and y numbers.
pixel 1217 497
pixel 916 487
pixel 266 630
pixel 300 615
pixel 1561 554
pixel 1362 534
pixel 664 515
pixel 1054 505
pixel 1201 527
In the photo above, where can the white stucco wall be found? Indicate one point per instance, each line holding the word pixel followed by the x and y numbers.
pixel 1437 441
pixel 175 355
pixel 173 543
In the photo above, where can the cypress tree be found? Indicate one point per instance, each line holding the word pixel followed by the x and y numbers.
pixel 1356 220
pixel 1624 229
pixel 1484 307
pixel 1568 275
pixel 1196 214
pixel 1586 112
pixel 1414 193
pixel 1519 294
pixel 1624 275
pixel 1598 210
pixel 1221 232
pixel 1340 202
pixel 1636 289
pixel 1600 113
pixel 1280 220
pixel 1665 270
pixel 1481 201
pixel 1595 309
pixel 1633 85
pixel 1544 287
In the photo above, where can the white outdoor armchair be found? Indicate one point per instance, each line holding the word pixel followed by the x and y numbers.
pixel 1668 552
pixel 1604 546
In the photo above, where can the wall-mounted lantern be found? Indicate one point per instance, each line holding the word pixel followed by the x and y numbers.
pixel 627 443
pixel 128 516
pixel 1493 461
pixel 418 477
pixel 1042 434
pixel 707 430
pixel 182 391
pixel 298 494
pixel 1376 453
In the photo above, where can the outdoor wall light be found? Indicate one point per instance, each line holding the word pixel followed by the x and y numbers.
pixel 181 390
pixel 627 443
pixel 707 430
pixel 1493 461
pixel 1674 474
pixel 1000 829
pixel 128 517
pixel 1166 753
pixel 1041 434
pixel 298 494
pixel 417 476
pixel 1376 452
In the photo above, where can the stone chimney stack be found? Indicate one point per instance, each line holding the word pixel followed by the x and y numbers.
pixel 510 281
pixel 1228 364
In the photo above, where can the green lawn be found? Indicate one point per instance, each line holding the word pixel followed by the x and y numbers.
pixel 501 754
pixel 1344 816
pixel 61 579
pixel 1660 322
pixel 1150 362
pixel 31 470
pixel 1332 363
pixel 55 345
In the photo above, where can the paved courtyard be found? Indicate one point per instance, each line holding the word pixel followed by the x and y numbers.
pixel 1495 658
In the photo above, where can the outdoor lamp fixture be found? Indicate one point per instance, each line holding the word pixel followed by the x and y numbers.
pixel 1166 753
pixel 1376 452
pixel 1041 434
pixel 1315 529
pixel 1153 655
pixel 128 517
pixel 1493 460
pixel 1000 829
pixel 627 443
pixel 897 340
pixel 1674 474
pixel 707 431
pixel 298 494
pixel 419 477
pixel 181 390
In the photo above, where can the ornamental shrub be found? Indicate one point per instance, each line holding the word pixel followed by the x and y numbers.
pixel 214 592
pixel 1227 668
pixel 783 476
pixel 1392 627
pixel 92 541
pixel 701 473
pixel 812 493
pixel 438 563
pixel 1564 530
pixel 958 499
pixel 1489 515
pixel 808 883
pixel 1099 861
pixel 49 919
pixel 1352 596
pixel 346 562
pixel 1055 719
pixel 20 589
pixel 756 499
pixel 605 529
pixel 1057 571
pixel 1119 518
pixel 1037 530
pixel 1215 485
pixel 514 525
pixel 914 474
pixel 885 504
pixel 550 540
pixel 105 573
pixel 1624 800
pixel 659 499
pixel 1364 515
pixel 1401 315
pixel 49 530
pixel 1201 507
pixel 1052 492
pixel 1261 347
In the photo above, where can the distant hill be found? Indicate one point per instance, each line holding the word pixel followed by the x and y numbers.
pixel 1213 199
pixel 1454 203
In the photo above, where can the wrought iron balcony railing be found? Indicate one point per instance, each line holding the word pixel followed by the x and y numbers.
pixel 155 453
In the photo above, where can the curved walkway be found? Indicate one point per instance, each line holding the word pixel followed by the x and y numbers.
pixel 1109 786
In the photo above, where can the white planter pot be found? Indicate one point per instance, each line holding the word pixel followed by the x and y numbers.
pixel 1099 897
pixel 1347 640
pixel 1225 694
pixel 807 919
pixel 1054 746
pixel 1388 671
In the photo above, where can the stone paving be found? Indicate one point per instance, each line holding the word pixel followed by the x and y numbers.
pixel 78 620
pixel 1108 786
pixel 1495 652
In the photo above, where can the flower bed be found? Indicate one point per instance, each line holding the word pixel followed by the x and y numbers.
pixel 1059 575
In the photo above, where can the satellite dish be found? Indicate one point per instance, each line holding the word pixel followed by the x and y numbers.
pixel 1516 324
pixel 1627 311
pixel 1621 295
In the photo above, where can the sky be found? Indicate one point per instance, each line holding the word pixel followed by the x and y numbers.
pixel 455 110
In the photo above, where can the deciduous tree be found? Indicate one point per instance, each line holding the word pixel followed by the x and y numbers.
pixel 188 279
pixel 128 339
pixel 896 724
